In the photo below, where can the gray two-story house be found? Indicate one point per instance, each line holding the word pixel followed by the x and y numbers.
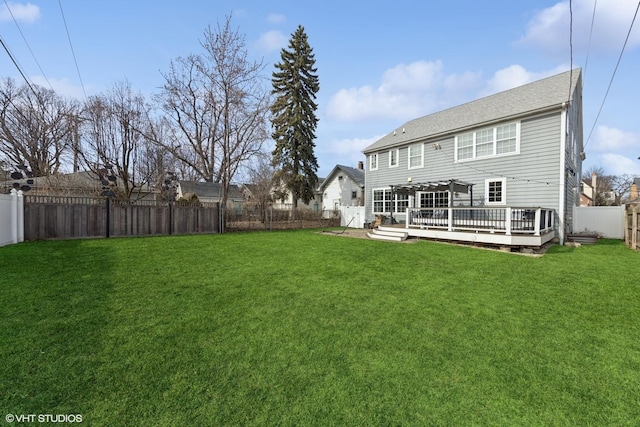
pixel 503 169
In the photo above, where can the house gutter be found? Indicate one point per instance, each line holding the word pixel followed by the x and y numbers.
pixel 520 116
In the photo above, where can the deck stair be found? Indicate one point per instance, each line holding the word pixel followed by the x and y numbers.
pixel 397 235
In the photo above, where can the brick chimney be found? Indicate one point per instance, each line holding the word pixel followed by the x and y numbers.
pixel 633 194
pixel 361 165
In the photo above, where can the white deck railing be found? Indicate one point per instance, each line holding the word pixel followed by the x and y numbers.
pixel 507 220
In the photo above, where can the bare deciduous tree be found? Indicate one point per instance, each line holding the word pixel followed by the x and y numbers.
pixel 114 127
pixel 36 127
pixel 217 105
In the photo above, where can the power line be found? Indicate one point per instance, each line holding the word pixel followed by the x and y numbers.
pixel 6 48
pixel 593 18
pixel 613 75
pixel 72 51
pixel 570 48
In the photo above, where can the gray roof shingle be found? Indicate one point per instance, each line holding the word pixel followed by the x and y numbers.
pixel 531 98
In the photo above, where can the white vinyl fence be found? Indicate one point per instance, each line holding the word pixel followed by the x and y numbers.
pixel 11 218
pixel 352 216
pixel 608 221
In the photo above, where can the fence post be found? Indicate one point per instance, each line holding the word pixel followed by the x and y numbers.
pixel 108 216
pixel 20 216
pixel 13 223
pixel 634 227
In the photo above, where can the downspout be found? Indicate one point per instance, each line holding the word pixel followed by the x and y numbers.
pixel 563 173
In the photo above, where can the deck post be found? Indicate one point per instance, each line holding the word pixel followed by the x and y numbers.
pixel 536 224
pixel 507 221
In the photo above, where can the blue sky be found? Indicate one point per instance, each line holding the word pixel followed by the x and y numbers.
pixel 380 64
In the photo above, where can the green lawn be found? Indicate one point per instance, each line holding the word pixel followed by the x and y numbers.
pixel 300 328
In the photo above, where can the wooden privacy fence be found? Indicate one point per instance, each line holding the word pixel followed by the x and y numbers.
pixel 48 217
pixel 631 235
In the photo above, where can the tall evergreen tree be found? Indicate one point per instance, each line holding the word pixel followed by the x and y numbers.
pixel 294 121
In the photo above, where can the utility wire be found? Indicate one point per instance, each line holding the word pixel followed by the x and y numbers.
pixel 570 48
pixel 27 43
pixel 6 48
pixel 72 51
pixel 593 18
pixel 613 75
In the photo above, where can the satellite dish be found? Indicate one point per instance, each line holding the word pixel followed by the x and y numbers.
pixel 106 193
pixel 16 185
pixel 30 181
pixel 16 175
pixel 111 178
pixel 104 182
pixel 25 188
pixel 21 167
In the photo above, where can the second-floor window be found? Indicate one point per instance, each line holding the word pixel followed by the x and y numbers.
pixel 373 162
pixel 393 158
pixel 495 141
pixel 415 156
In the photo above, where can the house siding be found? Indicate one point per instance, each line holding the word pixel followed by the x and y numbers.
pixel 533 176
pixel 339 191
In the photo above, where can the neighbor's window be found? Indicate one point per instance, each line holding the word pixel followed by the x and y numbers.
pixel 495 141
pixel 373 161
pixel 393 158
pixel 495 191
pixel 415 156
pixel 354 194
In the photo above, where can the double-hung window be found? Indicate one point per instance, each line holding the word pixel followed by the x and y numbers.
pixel 373 162
pixel 494 141
pixel 393 158
pixel 438 199
pixel 383 202
pixel 415 156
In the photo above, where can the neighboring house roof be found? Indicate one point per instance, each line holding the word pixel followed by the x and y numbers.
pixel 532 98
pixel 209 190
pixel 357 175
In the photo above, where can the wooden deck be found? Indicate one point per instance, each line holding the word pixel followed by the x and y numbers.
pixel 503 226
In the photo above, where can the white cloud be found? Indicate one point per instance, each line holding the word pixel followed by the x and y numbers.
pixel 612 139
pixel 345 151
pixel 549 28
pixel 406 91
pixel 61 86
pixel 617 164
pixel 276 18
pixel 517 75
pixel 27 13
pixel 272 41
pixel 419 88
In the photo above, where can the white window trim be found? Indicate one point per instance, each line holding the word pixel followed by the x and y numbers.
pixel 371 157
pixel 421 145
pixel 397 151
pixel 504 191
pixel 384 201
pixel 475 156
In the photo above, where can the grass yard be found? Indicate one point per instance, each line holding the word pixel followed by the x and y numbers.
pixel 303 329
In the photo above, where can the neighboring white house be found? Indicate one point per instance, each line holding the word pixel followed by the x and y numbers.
pixel 508 164
pixel 344 186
